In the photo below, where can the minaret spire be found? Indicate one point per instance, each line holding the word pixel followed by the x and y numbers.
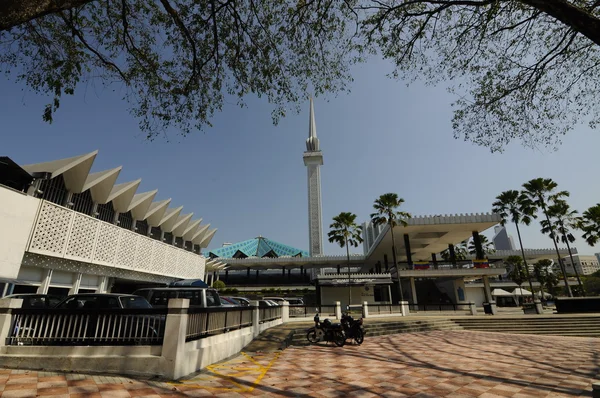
pixel 313 159
pixel 312 143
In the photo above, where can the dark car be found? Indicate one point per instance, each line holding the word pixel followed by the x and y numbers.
pixel 104 301
pixel 35 300
pixel 199 297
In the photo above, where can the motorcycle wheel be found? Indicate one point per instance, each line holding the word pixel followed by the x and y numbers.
pixel 339 338
pixel 359 337
pixel 311 336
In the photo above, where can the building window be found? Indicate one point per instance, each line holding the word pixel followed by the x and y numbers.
pixel 141 227
pixel 168 237
pixel 125 220
pixel 106 212
pixel 155 233
pixel 179 241
pixel 54 190
pixel 82 202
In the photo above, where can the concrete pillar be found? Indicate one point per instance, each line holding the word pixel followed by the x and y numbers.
pixel 487 290
pixel 404 308
pixel 452 255
pixel 173 348
pixel 413 290
pixel 103 288
pixel 338 310
pixel 479 254
pixel 285 312
pixel 390 293
pixel 76 284
pixel 94 211
pixel 6 319
pixel 539 309
pixel 218 275
pixel 67 199
pixel 365 309
pixel 255 318
pixel 408 252
pixel 472 308
pixel 116 218
pixel 46 279
pixel 134 225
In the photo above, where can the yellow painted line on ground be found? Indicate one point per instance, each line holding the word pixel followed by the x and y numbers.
pixel 217 373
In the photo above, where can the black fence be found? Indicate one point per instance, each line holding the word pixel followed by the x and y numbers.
pixel 87 327
pixel 203 322
pixel 379 309
pixel 305 311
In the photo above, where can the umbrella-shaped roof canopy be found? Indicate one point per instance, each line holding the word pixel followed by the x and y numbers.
pixel 521 292
pixel 501 293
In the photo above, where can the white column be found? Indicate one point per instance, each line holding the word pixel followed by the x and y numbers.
pixel 116 218
pixel 338 310
pixel 6 319
pixel 413 289
pixel 218 275
pixel 285 312
pixel 133 225
pixel 255 318
pixel 76 284
pixel 173 348
pixel 94 210
pixel 103 288
pixel 365 309
pixel 43 289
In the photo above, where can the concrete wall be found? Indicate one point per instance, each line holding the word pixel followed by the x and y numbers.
pixel 17 215
pixel 360 294
pixel 130 360
pixel 475 294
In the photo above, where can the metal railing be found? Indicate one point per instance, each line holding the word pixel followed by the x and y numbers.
pixel 437 307
pixel 204 322
pixel 379 309
pixel 87 327
pixel 305 311
pixel 269 313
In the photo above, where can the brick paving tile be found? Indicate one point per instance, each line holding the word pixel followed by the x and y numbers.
pixel 455 364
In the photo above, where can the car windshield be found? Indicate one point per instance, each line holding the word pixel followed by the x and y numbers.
pixel 135 302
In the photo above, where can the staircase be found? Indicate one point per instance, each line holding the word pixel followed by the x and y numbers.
pixel 381 328
pixel 584 326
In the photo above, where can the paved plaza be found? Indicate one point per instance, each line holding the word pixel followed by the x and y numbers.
pixel 440 363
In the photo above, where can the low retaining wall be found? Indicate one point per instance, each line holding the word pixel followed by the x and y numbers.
pixel 129 360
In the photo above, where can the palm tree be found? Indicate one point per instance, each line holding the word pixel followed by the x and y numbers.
pixel 517 207
pixel 539 191
pixel 516 273
pixel 540 271
pixel 486 245
pixel 386 212
pixel 589 223
pixel 345 232
pixel 565 220
pixel 460 252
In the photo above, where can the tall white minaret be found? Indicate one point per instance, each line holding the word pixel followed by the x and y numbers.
pixel 313 159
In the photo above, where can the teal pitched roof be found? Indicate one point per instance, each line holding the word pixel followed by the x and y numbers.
pixel 258 247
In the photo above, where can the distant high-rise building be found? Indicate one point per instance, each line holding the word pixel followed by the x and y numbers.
pixel 501 239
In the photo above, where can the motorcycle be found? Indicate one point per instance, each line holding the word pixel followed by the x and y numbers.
pixel 353 328
pixel 326 331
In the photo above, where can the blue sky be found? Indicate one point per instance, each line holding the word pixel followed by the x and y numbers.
pixel 247 178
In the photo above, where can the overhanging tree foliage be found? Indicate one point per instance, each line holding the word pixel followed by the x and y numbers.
pixel 521 69
pixel 175 61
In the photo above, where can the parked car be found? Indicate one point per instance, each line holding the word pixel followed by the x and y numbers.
pixel 244 302
pixel 159 297
pixel 35 300
pixel 225 302
pixel 278 300
pixel 295 301
pixel 104 301
pixel 231 300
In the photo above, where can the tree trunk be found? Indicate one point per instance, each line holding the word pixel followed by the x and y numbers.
pixel 575 17
pixel 525 262
pixel 17 12
pixel 560 263
pixel 395 261
pixel 574 267
pixel 349 280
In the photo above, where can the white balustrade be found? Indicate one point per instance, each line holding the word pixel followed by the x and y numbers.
pixel 64 233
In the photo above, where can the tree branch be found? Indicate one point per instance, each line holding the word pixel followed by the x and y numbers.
pixel 17 12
